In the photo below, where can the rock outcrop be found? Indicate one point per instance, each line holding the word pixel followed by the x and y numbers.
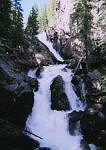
pixel 16 100
pixel 39 51
pixel 16 91
pixel 12 138
pixel 93 125
pixel 59 100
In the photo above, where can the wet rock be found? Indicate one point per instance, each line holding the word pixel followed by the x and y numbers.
pixel 74 117
pixel 59 100
pixel 71 63
pixel 84 145
pixel 38 71
pixel 93 125
pixel 33 83
pixel 79 87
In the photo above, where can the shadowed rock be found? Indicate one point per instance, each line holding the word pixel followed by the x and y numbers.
pixel 16 92
pixel 93 125
pixel 74 117
pixel 12 138
pixel 59 100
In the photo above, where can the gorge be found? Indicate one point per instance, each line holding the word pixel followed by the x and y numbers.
pixel 53 75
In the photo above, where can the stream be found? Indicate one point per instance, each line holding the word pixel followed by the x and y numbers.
pixel 51 125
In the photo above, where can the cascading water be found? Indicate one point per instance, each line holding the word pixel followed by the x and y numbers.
pixel 42 38
pixel 49 124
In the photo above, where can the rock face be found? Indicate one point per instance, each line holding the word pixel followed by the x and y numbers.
pixel 16 91
pixel 16 101
pixel 59 100
pixel 93 125
pixel 44 51
pixel 84 145
pixel 11 138
pixel 39 51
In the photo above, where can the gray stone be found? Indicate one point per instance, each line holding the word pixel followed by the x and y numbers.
pixel 59 100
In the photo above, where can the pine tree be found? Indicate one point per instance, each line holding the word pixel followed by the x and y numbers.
pixel 81 19
pixel 33 23
pixel 5 19
pixel 45 18
pixel 17 24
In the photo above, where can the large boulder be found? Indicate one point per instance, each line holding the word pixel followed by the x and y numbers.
pixel 12 138
pixel 84 145
pixel 39 71
pixel 59 100
pixel 74 117
pixel 93 125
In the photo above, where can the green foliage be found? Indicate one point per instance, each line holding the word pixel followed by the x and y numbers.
pixel 78 13
pixel 17 37
pixel 45 18
pixel 33 23
pixel 5 19
pixel 11 22
pixel 81 21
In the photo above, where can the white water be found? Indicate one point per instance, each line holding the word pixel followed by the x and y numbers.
pixel 42 38
pixel 51 125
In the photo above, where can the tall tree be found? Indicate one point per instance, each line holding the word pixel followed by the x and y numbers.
pixel 45 17
pixel 17 24
pixel 33 23
pixel 5 19
pixel 82 19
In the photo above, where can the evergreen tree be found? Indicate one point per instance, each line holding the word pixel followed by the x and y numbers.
pixel 45 18
pixel 33 23
pixel 17 24
pixel 81 19
pixel 5 20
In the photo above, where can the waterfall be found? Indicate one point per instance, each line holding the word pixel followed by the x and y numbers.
pixel 42 37
pixel 51 125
